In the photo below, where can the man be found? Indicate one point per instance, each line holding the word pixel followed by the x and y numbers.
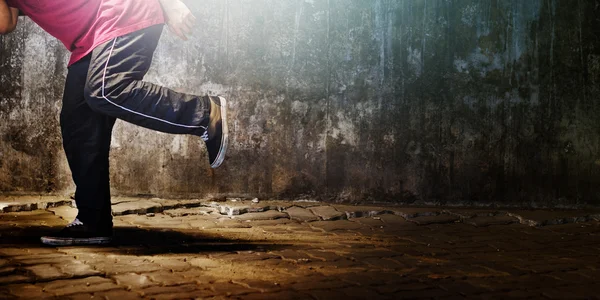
pixel 112 43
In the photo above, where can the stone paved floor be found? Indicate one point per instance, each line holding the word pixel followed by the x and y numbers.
pixel 302 250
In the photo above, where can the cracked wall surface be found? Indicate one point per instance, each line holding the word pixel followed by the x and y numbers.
pixel 470 102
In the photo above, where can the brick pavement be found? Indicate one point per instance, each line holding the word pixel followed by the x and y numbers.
pixel 198 249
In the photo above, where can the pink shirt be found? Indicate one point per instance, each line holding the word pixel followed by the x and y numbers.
pixel 81 25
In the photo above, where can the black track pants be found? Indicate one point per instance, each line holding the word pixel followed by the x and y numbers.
pixel 105 85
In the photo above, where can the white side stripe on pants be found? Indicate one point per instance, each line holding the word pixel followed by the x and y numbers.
pixel 127 109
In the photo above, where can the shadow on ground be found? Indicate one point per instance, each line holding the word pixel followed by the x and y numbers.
pixel 142 241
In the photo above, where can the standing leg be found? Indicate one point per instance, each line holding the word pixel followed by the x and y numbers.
pixel 86 141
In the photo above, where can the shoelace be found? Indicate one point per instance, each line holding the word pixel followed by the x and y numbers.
pixel 75 222
pixel 204 136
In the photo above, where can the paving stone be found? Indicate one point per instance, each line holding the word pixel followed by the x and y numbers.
pixel 188 291
pixel 171 263
pixel 67 213
pixel 573 277
pixel 392 287
pixel 543 267
pixel 8 279
pixel 465 213
pixel 109 295
pixel 125 265
pixel 27 291
pixel 133 280
pixel 363 278
pixel 200 276
pixel 232 224
pixel 422 294
pixel 77 269
pixel 489 221
pixel 204 263
pixel 292 295
pixel 36 218
pixel 230 289
pixel 303 203
pixel 163 222
pixel 545 217
pixel 220 297
pixel 302 229
pixel 360 254
pixel 439 219
pixel 5 295
pixel 45 272
pixel 301 214
pixel 261 216
pixel 323 255
pixel 168 278
pixel 259 285
pixel 273 225
pixel 6 270
pixel 30 203
pixel 320 283
pixel 76 286
pixel 247 256
pixel 114 200
pixel 45 258
pixel 498 285
pixel 395 221
pixel 361 211
pixel 327 213
pixel 201 222
pixel 569 293
pixel 413 212
pixel 293 255
pixel 182 212
pixel 462 287
pixel 384 264
pixel 193 204
pixel 339 225
pixel 136 207
pixel 327 294
pixel 241 207
pixel 571 228
pixel 356 245
pixel 521 294
pixel 82 253
pixel 501 268
pixel 373 222
pixel 332 267
pixel 356 292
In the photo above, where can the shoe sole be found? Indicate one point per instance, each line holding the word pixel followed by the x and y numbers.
pixel 55 241
pixel 224 135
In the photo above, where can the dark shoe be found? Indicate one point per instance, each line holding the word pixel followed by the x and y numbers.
pixel 78 233
pixel 216 136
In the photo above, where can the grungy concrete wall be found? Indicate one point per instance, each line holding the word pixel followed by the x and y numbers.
pixel 415 101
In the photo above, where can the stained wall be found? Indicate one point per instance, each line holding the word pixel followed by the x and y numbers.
pixel 412 101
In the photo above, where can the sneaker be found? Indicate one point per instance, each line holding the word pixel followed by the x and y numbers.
pixel 77 233
pixel 216 136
